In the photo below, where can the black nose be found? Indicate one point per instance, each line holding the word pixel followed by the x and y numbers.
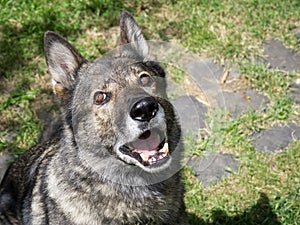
pixel 145 109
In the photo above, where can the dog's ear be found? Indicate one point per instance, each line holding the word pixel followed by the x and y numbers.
pixel 130 33
pixel 63 61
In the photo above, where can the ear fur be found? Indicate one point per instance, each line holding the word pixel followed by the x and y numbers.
pixel 63 61
pixel 130 33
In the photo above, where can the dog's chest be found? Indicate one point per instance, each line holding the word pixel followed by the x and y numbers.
pixel 107 205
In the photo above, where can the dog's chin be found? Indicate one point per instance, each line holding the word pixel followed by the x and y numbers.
pixel 150 151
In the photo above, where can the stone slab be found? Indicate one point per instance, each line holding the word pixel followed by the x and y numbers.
pixel 206 75
pixel 191 113
pixel 241 101
pixel 213 167
pixel 5 159
pixel 295 91
pixel 281 57
pixel 276 138
pixel 173 89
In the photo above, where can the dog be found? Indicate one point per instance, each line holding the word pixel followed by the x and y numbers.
pixel 118 157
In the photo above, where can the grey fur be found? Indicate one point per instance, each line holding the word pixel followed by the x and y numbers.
pixel 85 176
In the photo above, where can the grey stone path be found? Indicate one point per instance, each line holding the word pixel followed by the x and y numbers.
pixel 241 101
pixel 207 74
pixel 277 138
pixel 295 91
pixel 213 167
pixel 237 100
pixel 191 113
pixel 280 57
pixel 5 159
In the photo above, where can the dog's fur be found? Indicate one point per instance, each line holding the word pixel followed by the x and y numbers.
pixel 92 173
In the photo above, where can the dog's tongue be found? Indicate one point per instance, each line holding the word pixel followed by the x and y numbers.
pixel 148 141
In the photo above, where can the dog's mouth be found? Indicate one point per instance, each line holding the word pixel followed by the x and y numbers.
pixel 150 148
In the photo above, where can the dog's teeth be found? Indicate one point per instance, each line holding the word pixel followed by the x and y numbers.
pixel 144 156
pixel 152 160
pixel 163 155
pixel 165 149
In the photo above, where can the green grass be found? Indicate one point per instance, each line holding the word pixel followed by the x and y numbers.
pixel 266 189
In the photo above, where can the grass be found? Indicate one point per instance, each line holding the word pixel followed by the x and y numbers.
pixel 266 189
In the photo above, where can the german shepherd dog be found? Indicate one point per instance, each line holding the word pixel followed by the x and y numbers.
pixel 117 158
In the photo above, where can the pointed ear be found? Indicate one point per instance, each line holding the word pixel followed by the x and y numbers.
pixel 132 34
pixel 63 61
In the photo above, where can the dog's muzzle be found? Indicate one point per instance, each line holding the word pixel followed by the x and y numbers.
pixel 147 145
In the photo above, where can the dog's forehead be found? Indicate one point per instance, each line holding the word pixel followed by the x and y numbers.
pixel 113 69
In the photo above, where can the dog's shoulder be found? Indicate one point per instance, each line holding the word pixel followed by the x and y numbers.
pixel 21 173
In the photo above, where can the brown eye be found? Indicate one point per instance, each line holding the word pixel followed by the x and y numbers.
pixel 101 98
pixel 145 78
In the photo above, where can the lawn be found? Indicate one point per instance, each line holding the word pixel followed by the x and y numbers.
pixel 266 188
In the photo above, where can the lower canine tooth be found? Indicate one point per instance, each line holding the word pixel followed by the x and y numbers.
pixel 165 149
pixel 145 157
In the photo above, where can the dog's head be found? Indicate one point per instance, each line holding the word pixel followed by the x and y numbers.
pixel 115 107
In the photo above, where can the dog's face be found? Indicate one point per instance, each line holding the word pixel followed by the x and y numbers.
pixel 117 106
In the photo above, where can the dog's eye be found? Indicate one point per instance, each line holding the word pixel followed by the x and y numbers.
pixel 145 78
pixel 101 98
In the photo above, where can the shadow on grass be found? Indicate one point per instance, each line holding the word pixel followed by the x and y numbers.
pixel 259 214
pixel 20 44
pixel 22 40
